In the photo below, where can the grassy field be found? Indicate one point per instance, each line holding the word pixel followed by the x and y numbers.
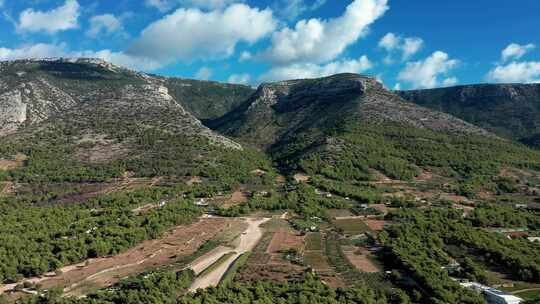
pixel 314 241
pixel 529 295
pixel 351 226
pixel 316 260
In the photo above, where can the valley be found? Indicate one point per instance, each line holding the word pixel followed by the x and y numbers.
pixel 163 190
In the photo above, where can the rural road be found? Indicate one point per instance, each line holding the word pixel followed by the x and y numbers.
pixel 246 242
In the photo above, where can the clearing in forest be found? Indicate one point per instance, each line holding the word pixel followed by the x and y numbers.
pixel 177 244
pixel 360 258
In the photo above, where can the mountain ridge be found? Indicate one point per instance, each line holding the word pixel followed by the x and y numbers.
pixel 509 110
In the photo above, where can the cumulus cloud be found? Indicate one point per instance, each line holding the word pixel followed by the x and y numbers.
pixel 62 18
pixel 245 56
pixel 189 34
pixel 319 41
pixel 292 9
pixel 407 46
pixel 209 4
pixel 42 50
pixel 166 5
pixel 516 51
pixel 104 25
pixel 239 78
pixel 528 71
pixel 204 73
pixel 451 81
pixel 427 73
pixel 311 70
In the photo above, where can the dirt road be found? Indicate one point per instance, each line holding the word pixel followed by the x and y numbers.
pixel 246 242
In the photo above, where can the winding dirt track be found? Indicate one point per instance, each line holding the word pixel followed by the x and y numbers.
pixel 246 242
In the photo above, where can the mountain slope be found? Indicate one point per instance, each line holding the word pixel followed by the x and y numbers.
pixel 509 110
pixel 207 99
pixel 86 119
pixel 345 125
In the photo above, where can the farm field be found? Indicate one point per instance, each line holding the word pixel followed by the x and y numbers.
pixel 351 226
pixel 178 244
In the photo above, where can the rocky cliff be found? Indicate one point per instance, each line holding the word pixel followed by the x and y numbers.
pixel 509 110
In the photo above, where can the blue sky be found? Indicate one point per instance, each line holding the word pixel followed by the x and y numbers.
pixel 406 44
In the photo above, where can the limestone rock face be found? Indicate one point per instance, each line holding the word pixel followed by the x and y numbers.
pixel 277 111
pixel 12 111
pixel 90 92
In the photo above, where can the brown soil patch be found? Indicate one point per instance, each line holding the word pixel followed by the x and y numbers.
pixel 424 176
pixel 360 259
pixel 180 242
pixel 6 189
pixel 258 172
pixel 381 207
pixel 376 225
pixel 238 197
pixel 380 177
pixel 194 180
pixel 301 177
pixel 284 240
pixel 456 198
pixel 10 164
pixel 280 179
pixel 509 173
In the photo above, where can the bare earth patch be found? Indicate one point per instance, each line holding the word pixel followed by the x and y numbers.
pixel 360 259
pixel 10 164
pixel 192 180
pixel 179 242
pixel 376 225
pixel 237 197
pixel 284 240
pixel 301 177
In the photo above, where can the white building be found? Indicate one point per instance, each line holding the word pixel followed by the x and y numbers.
pixel 493 296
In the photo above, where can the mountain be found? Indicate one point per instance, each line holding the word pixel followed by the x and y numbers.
pixel 344 126
pixel 86 119
pixel 207 99
pixel 509 110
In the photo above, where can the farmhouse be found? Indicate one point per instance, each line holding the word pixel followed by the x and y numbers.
pixel 493 296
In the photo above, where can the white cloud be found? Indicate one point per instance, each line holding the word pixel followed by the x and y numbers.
pixel 239 78
pixel 161 5
pixel 397 87
pixel 516 51
pixel 204 73
pixel 189 34
pixel 166 5
pixel 513 72
pixel 245 56
pixel 311 70
pixel 42 50
pixel 450 81
pixel 319 41
pixel 209 4
pixel 58 19
pixel 104 25
pixel 1 3
pixel 291 9
pixel 389 42
pixel 407 46
pixel 426 73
